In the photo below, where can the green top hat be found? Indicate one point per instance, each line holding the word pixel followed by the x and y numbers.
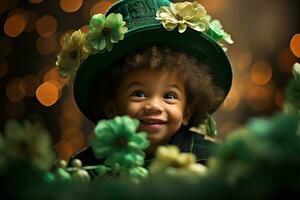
pixel 148 22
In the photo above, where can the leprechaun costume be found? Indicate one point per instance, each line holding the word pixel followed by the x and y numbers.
pixel 133 24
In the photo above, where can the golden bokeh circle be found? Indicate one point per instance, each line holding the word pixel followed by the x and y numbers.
pixel 53 76
pixel 232 100
pixel 46 25
pixel 47 93
pixel 31 18
pixel 46 45
pixel 101 7
pixel 259 98
pixel 245 60
pixel 13 91
pixel 295 45
pixel 261 72
pixel 14 25
pixel 70 6
pixel 29 84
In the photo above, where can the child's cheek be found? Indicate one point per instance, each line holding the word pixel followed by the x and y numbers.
pixel 132 109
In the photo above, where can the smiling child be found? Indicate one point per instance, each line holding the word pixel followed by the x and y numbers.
pixel 143 67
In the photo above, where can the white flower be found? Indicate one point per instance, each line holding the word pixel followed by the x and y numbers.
pixel 183 15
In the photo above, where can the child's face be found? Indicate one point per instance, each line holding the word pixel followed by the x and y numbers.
pixel 157 99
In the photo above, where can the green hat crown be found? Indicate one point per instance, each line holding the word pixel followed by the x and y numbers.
pixel 138 13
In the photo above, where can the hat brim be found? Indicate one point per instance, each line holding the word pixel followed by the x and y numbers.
pixel 191 42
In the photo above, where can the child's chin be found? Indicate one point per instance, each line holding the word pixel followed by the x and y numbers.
pixel 155 139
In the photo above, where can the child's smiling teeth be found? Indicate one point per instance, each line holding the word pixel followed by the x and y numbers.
pixel 152 121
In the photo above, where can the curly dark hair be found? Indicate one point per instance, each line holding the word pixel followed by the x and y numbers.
pixel 202 94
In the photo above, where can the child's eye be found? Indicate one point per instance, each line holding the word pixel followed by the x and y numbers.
pixel 138 94
pixel 170 96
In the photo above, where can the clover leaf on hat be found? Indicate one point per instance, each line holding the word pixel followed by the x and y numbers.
pixel 104 31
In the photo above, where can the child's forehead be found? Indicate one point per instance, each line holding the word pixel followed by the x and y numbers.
pixel 147 72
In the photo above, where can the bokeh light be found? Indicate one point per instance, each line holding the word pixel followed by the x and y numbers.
pixel 29 84
pixel 14 25
pixel 214 6
pixel 3 67
pixel 259 98
pixel 101 7
pixel 46 45
pixel 36 1
pixel 295 45
pixel 46 25
pixel 31 18
pixel 70 5
pixel 226 128
pixel 64 150
pixel 286 60
pixel 245 60
pixel 13 91
pixel 261 72
pixel 232 100
pixel 47 93
pixel 53 76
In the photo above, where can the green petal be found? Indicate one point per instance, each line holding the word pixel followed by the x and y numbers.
pixel 101 152
pixel 102 43
pixel 296 71
pixel 114 19
pixel 139 141
pixel 97 23
pixel 95 40
pixel 131 124
pixel 227 38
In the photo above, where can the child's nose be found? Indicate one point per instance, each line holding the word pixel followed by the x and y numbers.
pixel 153 106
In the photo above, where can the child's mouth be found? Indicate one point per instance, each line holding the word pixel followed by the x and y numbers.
pixel 151 125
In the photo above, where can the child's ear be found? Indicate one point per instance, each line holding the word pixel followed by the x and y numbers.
pixel 188 112
pixel 110 110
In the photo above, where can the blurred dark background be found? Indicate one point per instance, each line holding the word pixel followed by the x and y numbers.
pixel 267 44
